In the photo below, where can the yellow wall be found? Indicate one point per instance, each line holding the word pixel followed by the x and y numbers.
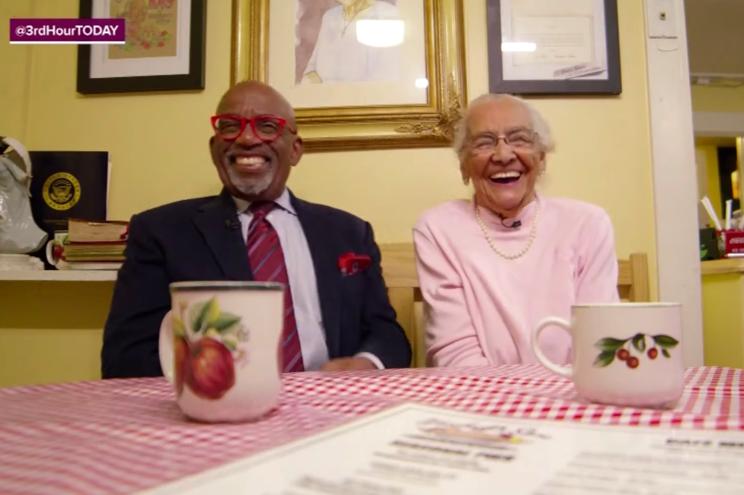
pixel 51 329
pixel 158 142
pixel 713 99
pixel 723 318
pixel 723 100
pixel 711 169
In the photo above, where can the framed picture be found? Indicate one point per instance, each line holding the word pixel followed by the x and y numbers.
pixel 553 47
pixel 360 74
pixel 164 49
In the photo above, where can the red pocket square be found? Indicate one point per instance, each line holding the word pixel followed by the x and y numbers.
pixel 351 263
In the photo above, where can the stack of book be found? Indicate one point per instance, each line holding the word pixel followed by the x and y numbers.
pixel 94 245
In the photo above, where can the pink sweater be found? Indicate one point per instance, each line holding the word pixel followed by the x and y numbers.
pixel 480 307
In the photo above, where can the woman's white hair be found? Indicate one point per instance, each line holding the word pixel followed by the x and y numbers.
pixel 539 124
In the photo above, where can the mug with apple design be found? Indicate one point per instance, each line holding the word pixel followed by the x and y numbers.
pixel 219 347
pixel 627 354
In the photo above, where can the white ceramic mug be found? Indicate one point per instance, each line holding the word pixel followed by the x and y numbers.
pixel 54 249
pixel 219 347
pixel 627 354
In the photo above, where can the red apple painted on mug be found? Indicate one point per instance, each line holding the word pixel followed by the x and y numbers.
pixel 181 362
pixel 212 371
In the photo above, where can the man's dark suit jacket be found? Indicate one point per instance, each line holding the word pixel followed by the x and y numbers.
pixel 200 239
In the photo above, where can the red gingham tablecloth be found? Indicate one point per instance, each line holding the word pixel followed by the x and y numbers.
pixel 119 436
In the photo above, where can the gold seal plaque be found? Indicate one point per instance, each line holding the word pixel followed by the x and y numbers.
pixel 61 191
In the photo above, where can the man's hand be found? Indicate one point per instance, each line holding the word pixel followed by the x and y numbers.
pixel 348 364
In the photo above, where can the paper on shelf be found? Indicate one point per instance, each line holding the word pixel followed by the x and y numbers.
pixel 711 212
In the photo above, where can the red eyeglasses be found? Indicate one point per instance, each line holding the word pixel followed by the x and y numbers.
pixel 267 128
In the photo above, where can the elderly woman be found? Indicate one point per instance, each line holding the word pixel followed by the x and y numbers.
pixel 490 268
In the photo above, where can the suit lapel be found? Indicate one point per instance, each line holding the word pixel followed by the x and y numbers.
pixel 326 270
pixel 218 222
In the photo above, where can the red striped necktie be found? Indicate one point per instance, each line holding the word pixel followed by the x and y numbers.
pixel 267 264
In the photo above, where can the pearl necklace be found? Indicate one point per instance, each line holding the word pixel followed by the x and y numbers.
pixel 518 254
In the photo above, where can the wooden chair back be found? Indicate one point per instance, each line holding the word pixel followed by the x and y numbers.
pixel 399 271
pixel 632 278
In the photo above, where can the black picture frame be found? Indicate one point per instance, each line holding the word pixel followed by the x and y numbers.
pixel 192 80
pixel 498 83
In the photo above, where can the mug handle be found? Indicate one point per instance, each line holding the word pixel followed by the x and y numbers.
pixel 565 371
pixel 165 347
pixel 50 253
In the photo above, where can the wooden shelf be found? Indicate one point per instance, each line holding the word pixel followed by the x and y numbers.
pixel 58 275
pixel 728 265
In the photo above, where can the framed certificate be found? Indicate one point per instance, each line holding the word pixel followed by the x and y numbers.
pixel 549 47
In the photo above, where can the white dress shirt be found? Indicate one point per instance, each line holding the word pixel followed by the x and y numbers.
pixel 338 56
pixel 301 274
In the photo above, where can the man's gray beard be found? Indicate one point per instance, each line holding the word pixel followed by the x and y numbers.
pixel 254 188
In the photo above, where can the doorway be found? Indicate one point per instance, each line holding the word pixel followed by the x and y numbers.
pixel 714 36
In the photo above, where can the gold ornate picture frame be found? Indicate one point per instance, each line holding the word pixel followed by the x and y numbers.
pixel 264 35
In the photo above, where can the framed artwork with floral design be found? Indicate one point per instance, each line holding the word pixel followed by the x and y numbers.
pixel 164 49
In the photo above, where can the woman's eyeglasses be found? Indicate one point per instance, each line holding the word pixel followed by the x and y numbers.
pixel 519 138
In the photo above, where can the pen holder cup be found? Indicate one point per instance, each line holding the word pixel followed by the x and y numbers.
pixel 731 242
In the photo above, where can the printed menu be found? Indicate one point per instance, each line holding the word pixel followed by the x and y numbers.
pixel 416 449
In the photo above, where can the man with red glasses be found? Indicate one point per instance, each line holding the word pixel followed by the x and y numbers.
pixel 338 315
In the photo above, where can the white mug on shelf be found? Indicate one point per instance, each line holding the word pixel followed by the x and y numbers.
pixel 54 249
pixel 626 354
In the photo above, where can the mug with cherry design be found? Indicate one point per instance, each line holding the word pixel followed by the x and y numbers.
pixel 627 354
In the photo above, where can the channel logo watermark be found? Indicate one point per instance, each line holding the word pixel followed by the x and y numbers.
pixel 67 31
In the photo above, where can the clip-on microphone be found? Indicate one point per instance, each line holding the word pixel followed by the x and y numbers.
pixel 514 225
